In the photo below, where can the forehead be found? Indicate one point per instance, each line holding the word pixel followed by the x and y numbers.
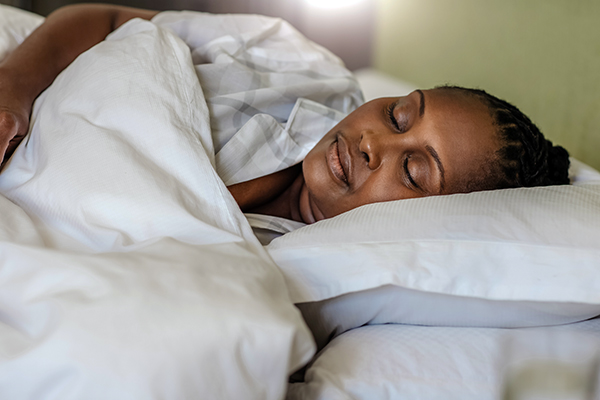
pixel 463 133
pixel 459 107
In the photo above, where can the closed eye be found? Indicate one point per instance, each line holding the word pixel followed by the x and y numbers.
pixel 390 113
pixel 408 175
pixel 400 127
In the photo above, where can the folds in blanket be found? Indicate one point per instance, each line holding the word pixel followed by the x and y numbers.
pixel 120 151
pixel 171 317
pixel 263 146
pixel 179 298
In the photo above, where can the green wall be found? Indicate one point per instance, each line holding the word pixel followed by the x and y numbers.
pixel 541 55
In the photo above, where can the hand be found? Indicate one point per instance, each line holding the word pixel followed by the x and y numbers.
pixel 32 66
pixel 15 107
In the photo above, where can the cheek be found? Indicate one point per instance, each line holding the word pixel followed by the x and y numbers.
pixel 324 193
pixel 331 201
pixel 316 178
pixel 382 186
pixel 383 190
pixel 313 170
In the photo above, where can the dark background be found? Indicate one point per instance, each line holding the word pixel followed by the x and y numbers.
pixel 347 30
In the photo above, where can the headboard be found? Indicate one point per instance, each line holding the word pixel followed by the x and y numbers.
pixel 541 55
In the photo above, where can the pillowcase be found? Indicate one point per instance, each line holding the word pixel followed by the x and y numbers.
pixel 431 363
pixel 509 258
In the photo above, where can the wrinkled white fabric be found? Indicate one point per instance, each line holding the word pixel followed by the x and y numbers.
pixel 128 271
pixel 272 93
pixel 505 258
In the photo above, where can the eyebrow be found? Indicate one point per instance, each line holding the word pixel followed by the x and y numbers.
pixel 430 149
pixel 440 167
pixel 422 104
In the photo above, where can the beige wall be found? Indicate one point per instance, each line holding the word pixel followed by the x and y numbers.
pixel 542 55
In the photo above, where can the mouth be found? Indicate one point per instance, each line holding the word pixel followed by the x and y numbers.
pixel 335 162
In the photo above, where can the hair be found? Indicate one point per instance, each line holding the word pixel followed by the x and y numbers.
pixel 527 158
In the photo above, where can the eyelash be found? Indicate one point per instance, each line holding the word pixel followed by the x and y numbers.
pixel 390 113
pixel 407 172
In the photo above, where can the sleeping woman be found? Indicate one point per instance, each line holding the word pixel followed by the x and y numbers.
pixel 431 142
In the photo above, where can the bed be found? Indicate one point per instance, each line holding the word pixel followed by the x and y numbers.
pixel 128 271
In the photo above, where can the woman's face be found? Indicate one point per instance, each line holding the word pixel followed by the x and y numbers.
pixel 427 143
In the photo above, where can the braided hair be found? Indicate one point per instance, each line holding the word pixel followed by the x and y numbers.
pixel 527 158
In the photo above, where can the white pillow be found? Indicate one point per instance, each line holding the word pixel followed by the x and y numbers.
pixel 15 26
pixel 582 173
pixel 375 84
pixel 432 363
pixel 517 257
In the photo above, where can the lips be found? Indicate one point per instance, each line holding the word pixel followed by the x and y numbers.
pixel 335 163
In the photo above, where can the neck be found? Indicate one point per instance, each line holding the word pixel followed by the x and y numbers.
pixel 286 204
pixel 294 203
pixel 281 194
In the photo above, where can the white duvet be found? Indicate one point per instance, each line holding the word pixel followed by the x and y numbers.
pixel 127 271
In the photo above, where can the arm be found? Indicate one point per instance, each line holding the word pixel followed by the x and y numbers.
pixel 32 67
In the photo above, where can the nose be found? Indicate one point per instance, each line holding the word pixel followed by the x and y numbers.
pixel 376 146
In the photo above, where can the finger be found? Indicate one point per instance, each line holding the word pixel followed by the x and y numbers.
pixel 3 148
pixel 12 146
pixel 8 131
pixel 5 139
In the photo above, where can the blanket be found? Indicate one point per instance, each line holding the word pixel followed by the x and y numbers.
pixel 127 271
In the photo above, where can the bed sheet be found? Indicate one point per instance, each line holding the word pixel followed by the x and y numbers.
pixel 127 271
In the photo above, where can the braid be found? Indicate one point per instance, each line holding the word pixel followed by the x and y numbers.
pixel 527 159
